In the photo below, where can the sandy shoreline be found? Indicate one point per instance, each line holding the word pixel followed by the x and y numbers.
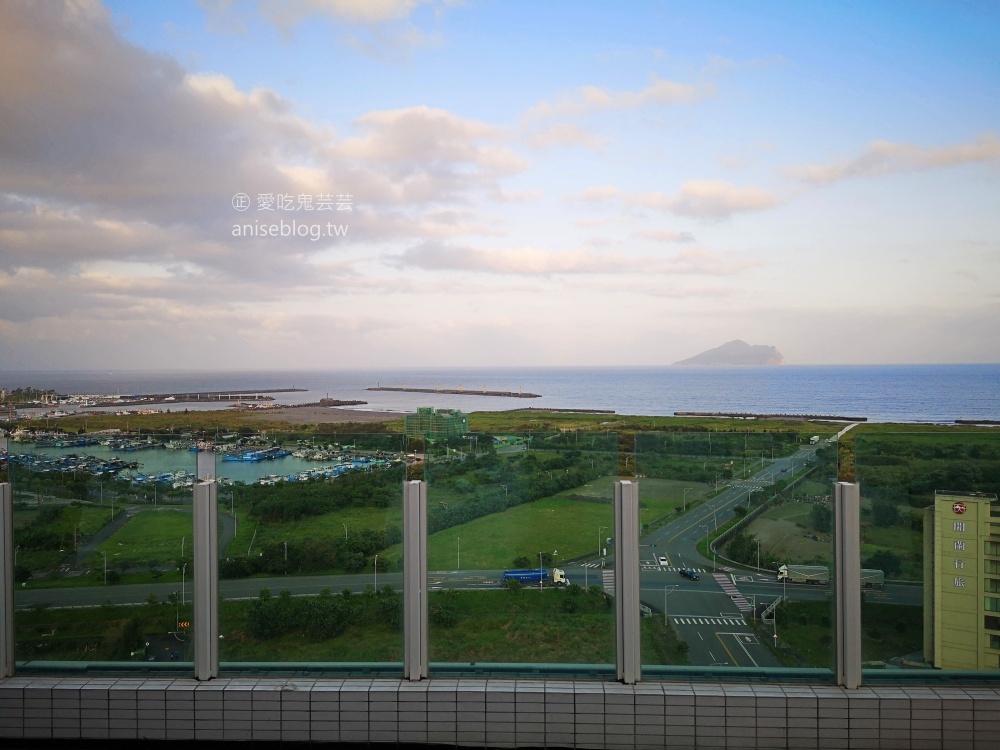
pixel 325 415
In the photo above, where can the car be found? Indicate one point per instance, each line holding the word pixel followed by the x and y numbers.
pixel 689 574
pixel 663 560
pixel 785 469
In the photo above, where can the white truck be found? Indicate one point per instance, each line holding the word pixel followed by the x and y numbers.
pixel 820 575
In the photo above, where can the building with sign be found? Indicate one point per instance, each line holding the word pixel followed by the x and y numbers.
pixel 962 581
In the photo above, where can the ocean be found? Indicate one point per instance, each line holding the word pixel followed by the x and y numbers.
pixel 882 393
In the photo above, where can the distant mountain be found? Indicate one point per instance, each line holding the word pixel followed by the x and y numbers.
pixel 736 353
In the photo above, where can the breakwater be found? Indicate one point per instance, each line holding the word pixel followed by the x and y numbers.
pixel 193 397
pixel 455 392
pixel 747 415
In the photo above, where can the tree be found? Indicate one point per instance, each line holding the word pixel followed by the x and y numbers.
pixel 885 513
pixel 820 518
pixel 888 562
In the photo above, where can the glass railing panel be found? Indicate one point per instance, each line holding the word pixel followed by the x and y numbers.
pixel 520 553
pixel 930 532
pixel 736 550
pixel 103 558
pixel 310 554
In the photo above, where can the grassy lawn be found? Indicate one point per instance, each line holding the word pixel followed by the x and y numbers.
pixel 782 533
pixel 529 626
pixel 492 542
pixel 660 497
pixel 482 626
pixel 150 536
pixel 328 525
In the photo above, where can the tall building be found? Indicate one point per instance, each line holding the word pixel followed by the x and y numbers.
pixel 436 424
pixel 962 581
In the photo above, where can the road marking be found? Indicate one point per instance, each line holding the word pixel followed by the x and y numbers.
pixel 734 593
pixel 688 620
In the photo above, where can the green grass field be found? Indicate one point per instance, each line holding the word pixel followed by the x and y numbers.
pixel 328 525
pixel 782 532
pixel 150 536
pixel 570 527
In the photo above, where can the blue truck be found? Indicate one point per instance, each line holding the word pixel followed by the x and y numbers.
pixel 536 575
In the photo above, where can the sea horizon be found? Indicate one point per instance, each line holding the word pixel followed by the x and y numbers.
pixel 922 393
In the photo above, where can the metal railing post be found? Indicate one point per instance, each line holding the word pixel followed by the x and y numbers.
pixel 414 580
pixel 847 582
pixel 6 581
pixel 206 580
pixel 628 664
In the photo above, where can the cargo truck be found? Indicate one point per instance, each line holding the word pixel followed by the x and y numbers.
pixel 536 575
pixel 820 575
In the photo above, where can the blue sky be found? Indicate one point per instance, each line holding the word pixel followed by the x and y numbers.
pixel 565 183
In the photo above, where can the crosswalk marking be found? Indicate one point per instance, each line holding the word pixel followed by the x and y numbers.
pixel 730 621
pixel 650 566
pixel 734 593
pixel 608 580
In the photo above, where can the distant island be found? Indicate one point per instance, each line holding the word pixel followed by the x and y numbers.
pixel 736 353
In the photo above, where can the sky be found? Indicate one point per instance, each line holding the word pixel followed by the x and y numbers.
pixel 299 184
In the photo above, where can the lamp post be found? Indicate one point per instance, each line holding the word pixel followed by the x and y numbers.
pixel 686 498
pixel 665 592
pixel 183 580
pixel 540 576
pixel 345 531
pixel 458 564
pixel 599 546
pixel 376 573
pixel 758 555
pixel 105 567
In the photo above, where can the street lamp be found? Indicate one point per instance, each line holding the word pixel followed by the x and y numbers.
pixel 599 547
pixel 376 573
pixel 345 531
pixel 686 498
pixel 458 564
pixel 758 555
pixel 183 579
pixel 665 592
pixel 105 567
pixel 540 569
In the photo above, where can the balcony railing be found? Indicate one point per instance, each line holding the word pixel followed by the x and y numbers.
pixel 716 556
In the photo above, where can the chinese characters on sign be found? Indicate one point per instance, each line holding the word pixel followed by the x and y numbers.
pixel 302 202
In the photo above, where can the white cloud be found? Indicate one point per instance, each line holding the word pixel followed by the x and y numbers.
pixel 563 134
pixel 702 199
pixel 531 261
pixel 666 235
pixel 293 12
pixel 589 99
pixel 886 157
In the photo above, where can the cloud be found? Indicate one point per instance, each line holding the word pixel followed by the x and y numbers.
pixel 294 12
pixel 886 157
pixel 597 193
pixel 666 235
pixel 531 261
pixel 588 99
pixel 702 199
pixel 563 134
